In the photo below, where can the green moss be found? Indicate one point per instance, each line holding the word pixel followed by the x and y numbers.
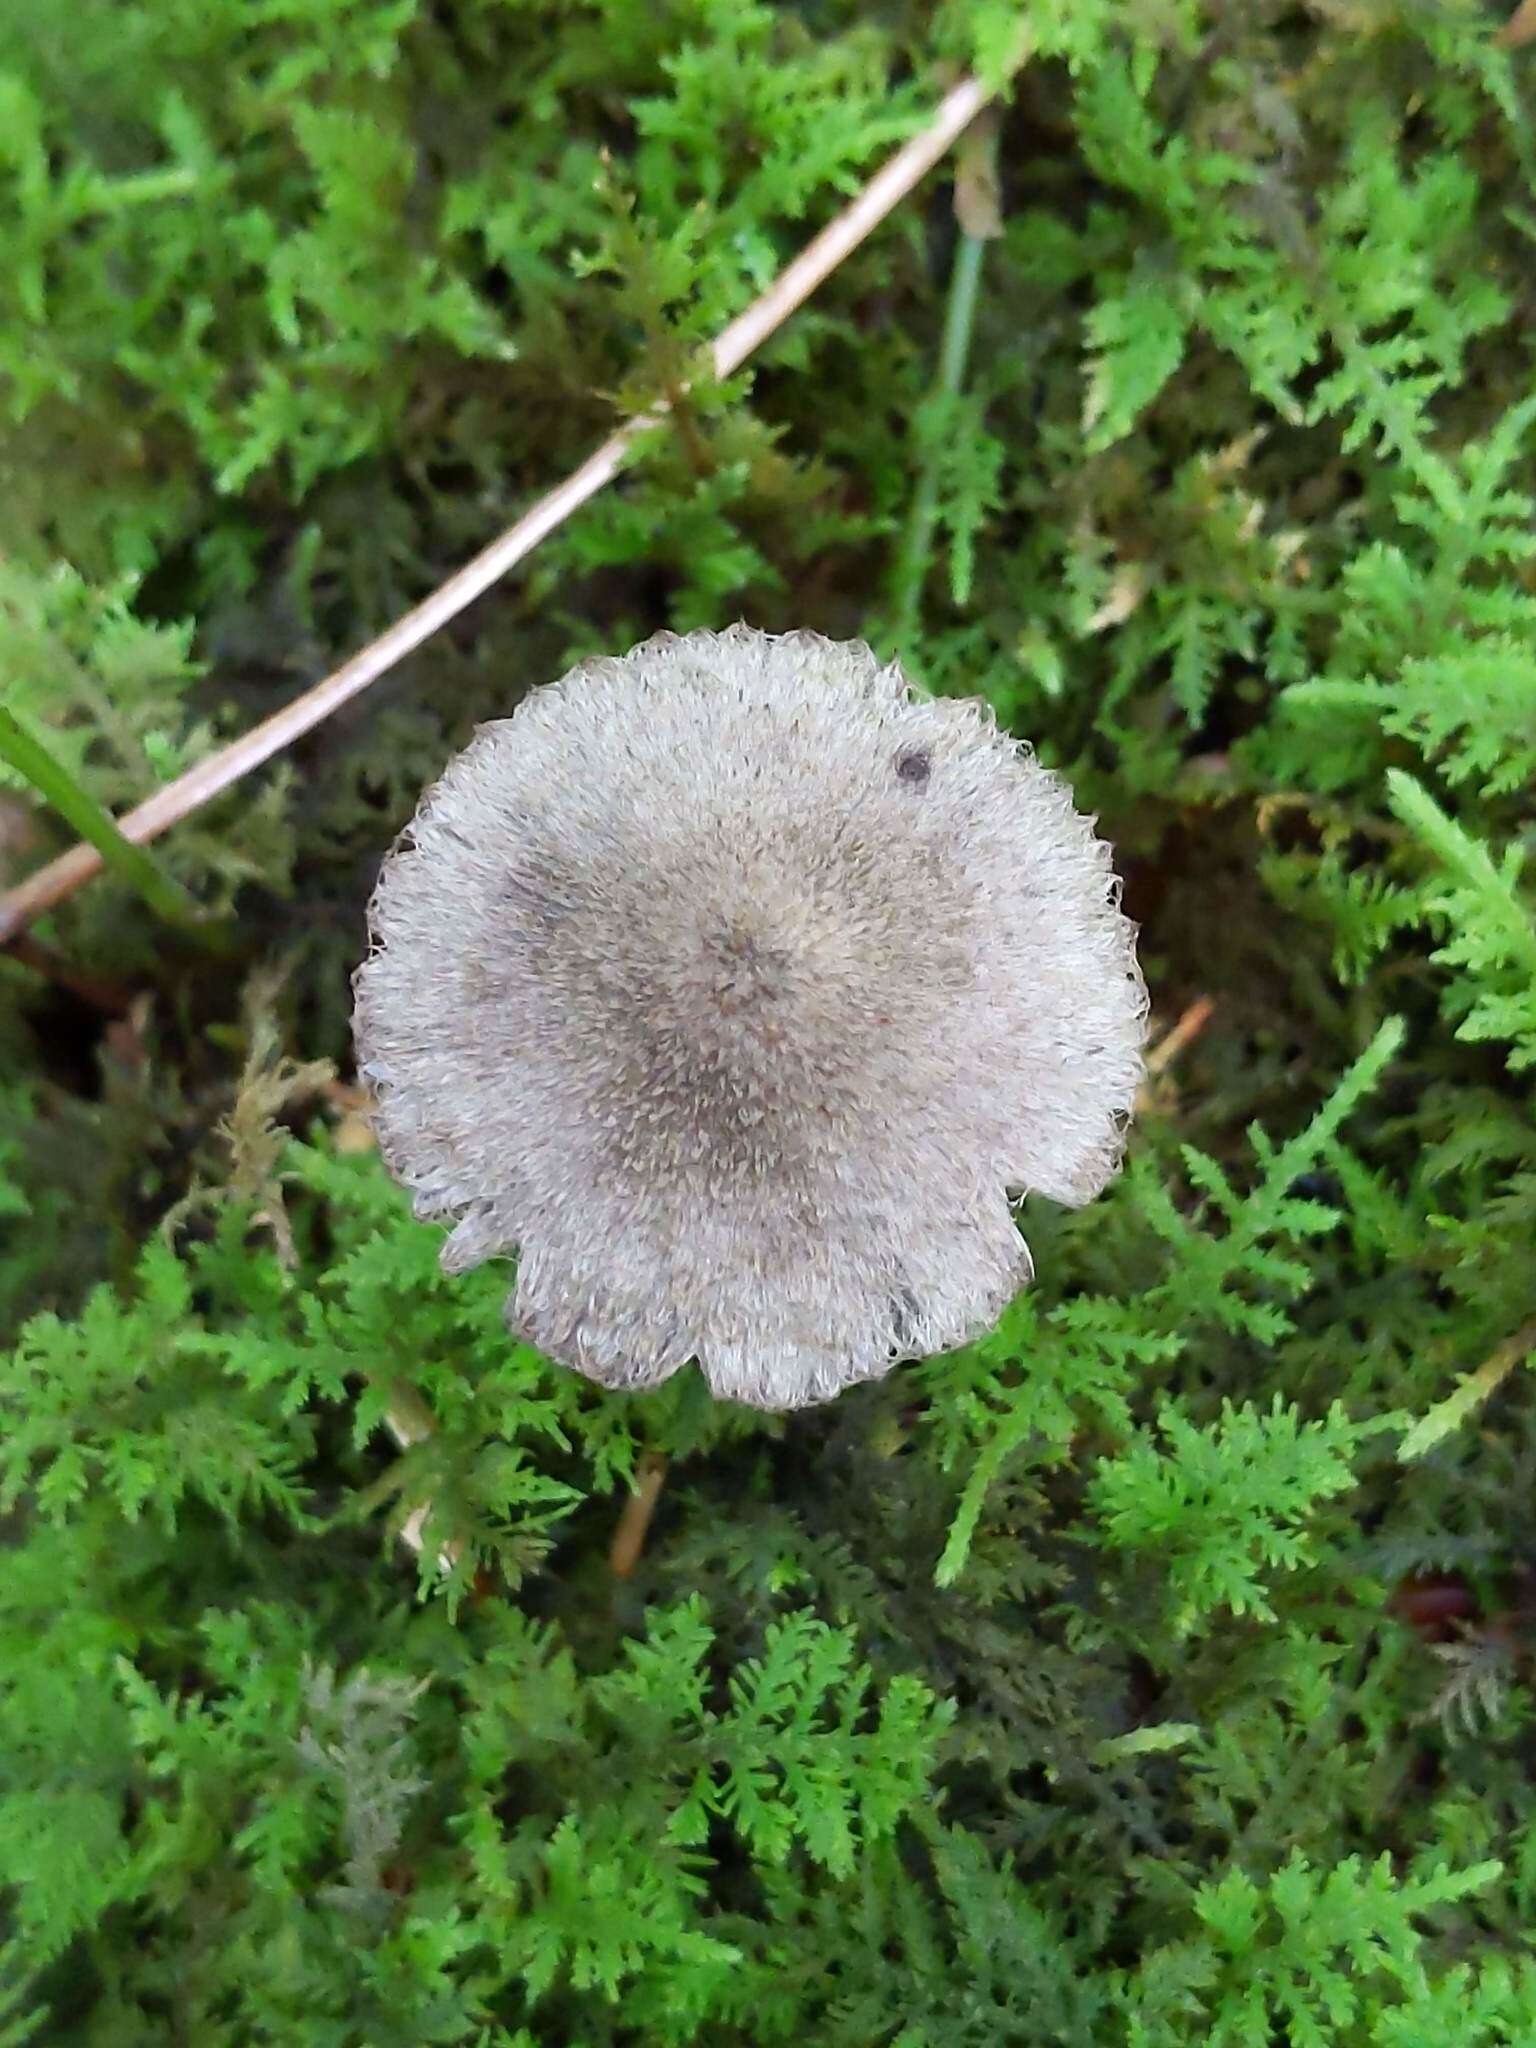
pixel 1083 1687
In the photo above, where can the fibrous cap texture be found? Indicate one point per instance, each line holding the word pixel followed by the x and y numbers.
pixel 741 992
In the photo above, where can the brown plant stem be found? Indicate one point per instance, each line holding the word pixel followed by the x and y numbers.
pixel 1181 1035
pixel 635 1521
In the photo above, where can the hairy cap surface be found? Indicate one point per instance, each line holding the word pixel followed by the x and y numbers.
pixel 741 992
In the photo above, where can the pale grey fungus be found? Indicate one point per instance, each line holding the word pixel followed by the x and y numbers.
pixel 678 992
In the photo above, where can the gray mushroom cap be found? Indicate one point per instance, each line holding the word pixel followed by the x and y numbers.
pixel 741 992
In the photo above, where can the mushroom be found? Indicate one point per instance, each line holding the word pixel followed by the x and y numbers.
pixel 742 993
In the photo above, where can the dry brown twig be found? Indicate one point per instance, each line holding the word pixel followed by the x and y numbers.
pixel 1175 1040
pixel 1180 1035
pixel 629 1537
pixel 1520 28
pixel 209 778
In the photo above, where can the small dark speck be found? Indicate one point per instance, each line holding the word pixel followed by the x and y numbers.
pixel 905 1312
pixel 914 766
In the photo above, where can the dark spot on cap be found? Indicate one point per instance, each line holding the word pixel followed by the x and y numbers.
pixel 914 766
pixel 905 1313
